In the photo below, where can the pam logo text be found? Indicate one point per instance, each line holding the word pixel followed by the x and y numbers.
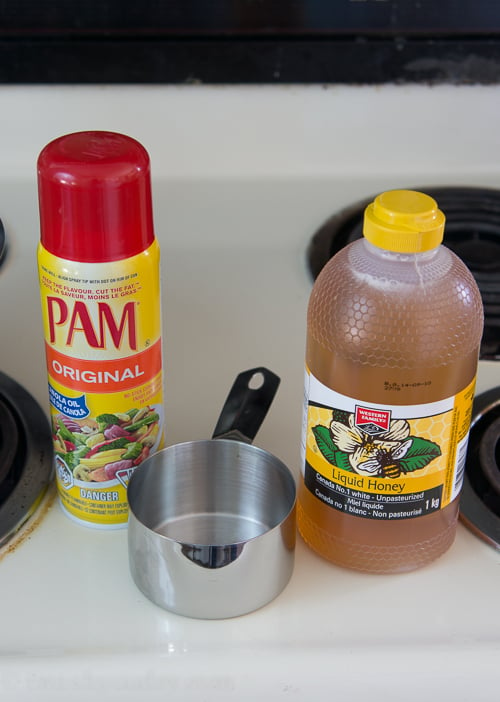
pixel 98 325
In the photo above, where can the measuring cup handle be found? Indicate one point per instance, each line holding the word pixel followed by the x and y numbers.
pixel 246 405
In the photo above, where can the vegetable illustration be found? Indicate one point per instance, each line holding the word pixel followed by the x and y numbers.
pixel 95 450
pixel 387 454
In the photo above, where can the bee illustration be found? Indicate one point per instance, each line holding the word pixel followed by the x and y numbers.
pixel 389 460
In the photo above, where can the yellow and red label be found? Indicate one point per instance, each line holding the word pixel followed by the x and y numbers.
pixel 102 326
pixel 384 461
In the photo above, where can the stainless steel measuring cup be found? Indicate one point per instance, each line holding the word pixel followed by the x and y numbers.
pixel 212 523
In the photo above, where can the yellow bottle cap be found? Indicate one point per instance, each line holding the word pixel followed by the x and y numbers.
pixel 404 221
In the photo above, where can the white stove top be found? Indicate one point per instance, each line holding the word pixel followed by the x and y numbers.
pixel 242 177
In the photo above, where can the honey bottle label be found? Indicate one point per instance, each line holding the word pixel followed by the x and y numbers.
pixel 384 462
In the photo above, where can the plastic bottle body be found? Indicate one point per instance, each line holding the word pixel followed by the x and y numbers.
pixel 390 331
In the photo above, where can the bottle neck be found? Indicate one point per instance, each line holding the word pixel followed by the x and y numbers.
pixel 388 255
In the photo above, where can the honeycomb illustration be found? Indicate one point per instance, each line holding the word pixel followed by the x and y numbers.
pixel 389 313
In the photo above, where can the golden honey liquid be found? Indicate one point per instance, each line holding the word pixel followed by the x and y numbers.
pixel 379 321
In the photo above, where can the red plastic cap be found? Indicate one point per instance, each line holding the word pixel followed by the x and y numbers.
pixel 94 192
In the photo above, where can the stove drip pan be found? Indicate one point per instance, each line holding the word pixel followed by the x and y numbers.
pixel 480 501
pixel 472 231
pixel 26 457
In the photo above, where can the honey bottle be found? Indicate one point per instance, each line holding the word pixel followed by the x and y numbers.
pixel 393 332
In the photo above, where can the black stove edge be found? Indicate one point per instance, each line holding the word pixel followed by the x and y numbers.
pixel 259 58
pixel 36 455
pixel 474 514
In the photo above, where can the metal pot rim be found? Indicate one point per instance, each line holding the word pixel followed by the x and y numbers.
pixel 277 464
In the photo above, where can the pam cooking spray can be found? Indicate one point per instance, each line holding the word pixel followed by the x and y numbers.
pixel 98 263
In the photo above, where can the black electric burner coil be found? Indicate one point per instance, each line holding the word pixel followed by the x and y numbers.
pixel 26 456
pixel 472 231
pixel 480 500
